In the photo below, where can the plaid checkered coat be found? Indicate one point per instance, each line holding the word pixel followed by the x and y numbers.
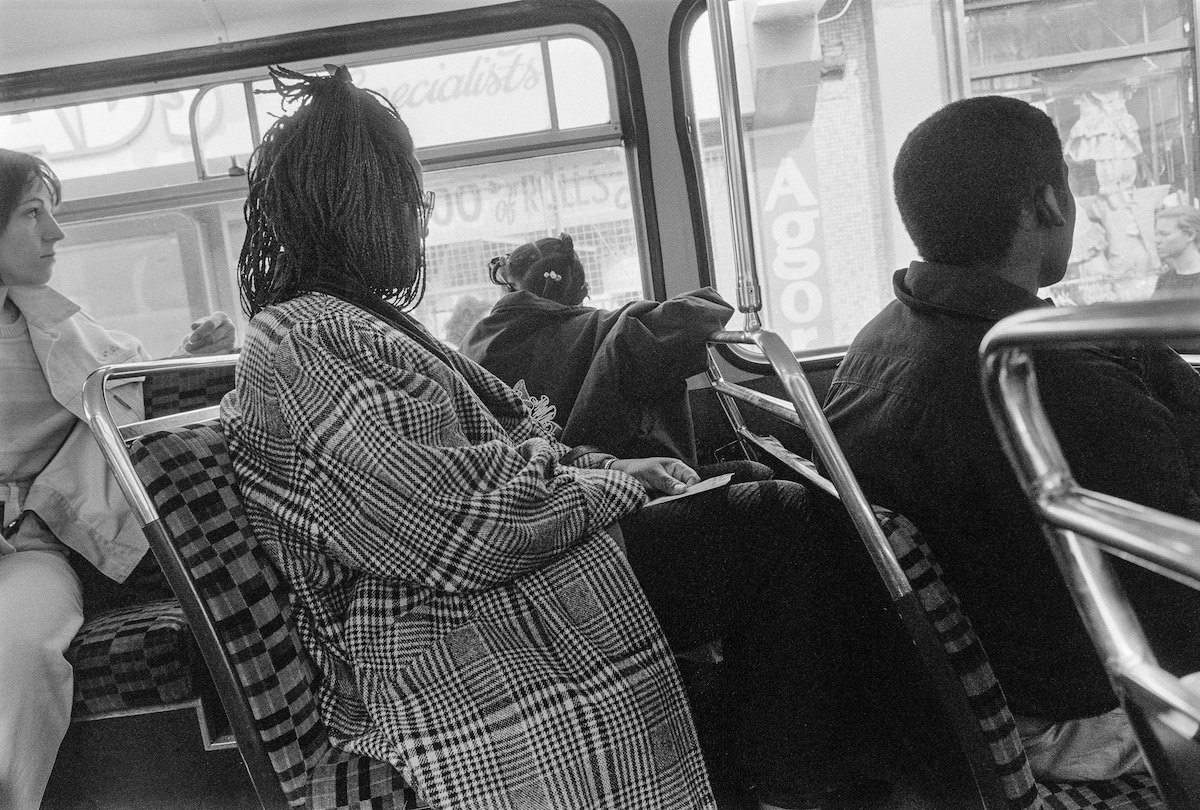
pixel 471 619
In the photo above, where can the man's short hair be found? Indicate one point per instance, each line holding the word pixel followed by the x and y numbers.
pixel 964 174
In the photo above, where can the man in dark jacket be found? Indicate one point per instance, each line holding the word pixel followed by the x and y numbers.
pixel 982 189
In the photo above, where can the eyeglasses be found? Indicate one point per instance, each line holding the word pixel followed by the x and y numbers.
pixel 427 201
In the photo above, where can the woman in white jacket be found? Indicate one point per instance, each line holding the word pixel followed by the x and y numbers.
pixel 55 491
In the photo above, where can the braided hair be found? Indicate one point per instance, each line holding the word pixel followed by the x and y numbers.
pixel 548 268
pixel 335 199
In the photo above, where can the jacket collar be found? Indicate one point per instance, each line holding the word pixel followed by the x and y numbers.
pixel 523 301
pixel 43 307
pixel 959 291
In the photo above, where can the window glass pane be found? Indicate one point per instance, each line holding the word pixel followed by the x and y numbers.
pixel 463 96
pixel 1025 31
pixel 1126 128
pixel 824 108
pixel 143 142
pixel 226 148
pixel 127 144
pixel 580 83
pixel 152 274
pixel 483 211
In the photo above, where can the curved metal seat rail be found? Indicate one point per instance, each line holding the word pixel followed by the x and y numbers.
pixel 112 439
pixel 803 410
pixel 1085 527
pixel 961 710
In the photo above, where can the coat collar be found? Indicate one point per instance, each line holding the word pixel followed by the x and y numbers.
pixel 523 301
pixel 43 307
pixel 959 291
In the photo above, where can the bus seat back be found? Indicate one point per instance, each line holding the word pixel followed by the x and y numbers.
pixel 180 481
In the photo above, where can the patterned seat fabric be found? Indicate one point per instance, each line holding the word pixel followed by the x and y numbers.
pixel 188 473
pixel 1132 792
pixel 185 390
pixel 135 650
pixel 970 662
pixel 135 657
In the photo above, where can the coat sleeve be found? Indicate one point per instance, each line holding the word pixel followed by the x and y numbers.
pixel 408 483
pixel 657 345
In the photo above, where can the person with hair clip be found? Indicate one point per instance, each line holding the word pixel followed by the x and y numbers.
pixel 457 573
pixel 614 379
pixel 56 493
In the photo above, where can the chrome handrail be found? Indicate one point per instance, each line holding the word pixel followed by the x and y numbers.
pixel 1084 526
pixel 102 424
pixel 749 294
pixel 803 409
pixel 112 440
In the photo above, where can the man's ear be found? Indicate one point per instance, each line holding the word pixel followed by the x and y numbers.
pixel 1049 212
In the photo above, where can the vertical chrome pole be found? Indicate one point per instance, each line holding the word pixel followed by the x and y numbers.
pixel 749 295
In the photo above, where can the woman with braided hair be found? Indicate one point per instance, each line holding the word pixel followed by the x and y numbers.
pixel 457 573
pixel 614 379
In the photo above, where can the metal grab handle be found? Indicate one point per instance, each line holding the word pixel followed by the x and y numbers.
pixel 749 294
pixel 1085 526
pixel 805 412
pixel 103 426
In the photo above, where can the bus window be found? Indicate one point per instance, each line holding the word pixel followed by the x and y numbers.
pixel 829 90
pixel 519 138
pixel 1121 88
pixel 818 135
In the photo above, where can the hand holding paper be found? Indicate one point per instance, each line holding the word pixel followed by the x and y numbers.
pixel 702 486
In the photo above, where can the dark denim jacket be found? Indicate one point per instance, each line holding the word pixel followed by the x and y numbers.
pixel 908 408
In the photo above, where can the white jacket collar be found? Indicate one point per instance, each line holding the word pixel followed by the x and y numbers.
pixel 42 306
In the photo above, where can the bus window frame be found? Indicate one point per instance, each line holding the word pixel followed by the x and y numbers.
pixel 527 20
pixel 741 357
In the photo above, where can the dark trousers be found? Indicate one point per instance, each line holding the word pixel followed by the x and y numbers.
pixel 741 564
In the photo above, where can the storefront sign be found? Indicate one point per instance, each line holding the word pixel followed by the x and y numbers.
pixel 564 191
pixel 795 288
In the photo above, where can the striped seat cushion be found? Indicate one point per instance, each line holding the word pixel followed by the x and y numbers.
pixel 135 657
pixel 970 662
pixel 189 476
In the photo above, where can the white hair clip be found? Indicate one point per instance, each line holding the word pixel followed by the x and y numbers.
pixel 553 276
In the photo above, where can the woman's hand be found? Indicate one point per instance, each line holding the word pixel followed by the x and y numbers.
pixel 212 334
pixel 667 475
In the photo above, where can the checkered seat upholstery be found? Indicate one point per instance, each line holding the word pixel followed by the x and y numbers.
pixel 135 651
pixel 235 593
pixel 138 657
pixel 969 662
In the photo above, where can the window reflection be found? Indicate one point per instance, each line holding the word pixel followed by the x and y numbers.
pixel 1026 31
pixel 1125 126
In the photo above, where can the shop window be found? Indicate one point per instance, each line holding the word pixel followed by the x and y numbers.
pixel 1118 79
pixel 1027 31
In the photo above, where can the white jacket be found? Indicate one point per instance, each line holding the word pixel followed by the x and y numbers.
pixel 76 495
